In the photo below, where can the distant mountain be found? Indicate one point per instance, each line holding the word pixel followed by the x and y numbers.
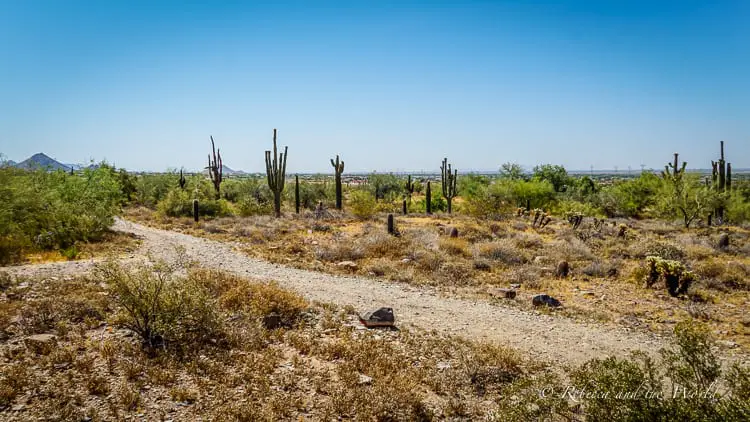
pixel 226 170
pixel 40 160
pixel 9 163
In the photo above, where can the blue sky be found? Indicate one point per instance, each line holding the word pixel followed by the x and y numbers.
pixel 388 85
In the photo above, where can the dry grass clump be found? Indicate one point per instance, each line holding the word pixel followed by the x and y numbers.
pixel 455 246
pixel 504 251
pixel 338 251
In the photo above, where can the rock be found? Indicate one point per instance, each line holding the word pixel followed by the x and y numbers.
pixel 563 269
pixel 348 264
pixel 443 365
pixel 41 343
pixel 727 343
pixel 548 300
pixel 515 286
pixel 503 293
pixel 272 321
pixel 364 379
pixel 588 293
pixel 454 232
pixel 723 241
pixel 540 260
pixel 382 317
pixel 405 261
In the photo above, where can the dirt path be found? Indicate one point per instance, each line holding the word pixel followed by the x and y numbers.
pixel 549 338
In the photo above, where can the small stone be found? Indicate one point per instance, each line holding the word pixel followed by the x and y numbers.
pixel 503 293
pixel 727 343
pixel 18 407
pixel 382 317
pixel 405 261
pixel 443 365
pixel 723 241
pixel 454 232
pixel 515 286
pixel 547 300
pixel 587 293
pixel 364 379
pixel 347 264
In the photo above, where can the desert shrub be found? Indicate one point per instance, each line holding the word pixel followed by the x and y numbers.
pixel 737 210
pixel 504 195
pixel 339 251
pixel 501 251
pixel 439 204
pixel 54 210
pixel 455 246
pixel 565 207
pixel 311 193
pixel 179 203
pixel 660 248
pixel 634 389
pixel 385 186
pixel 150 189
pixel 161 307
pixel 630 198
pixel 362 204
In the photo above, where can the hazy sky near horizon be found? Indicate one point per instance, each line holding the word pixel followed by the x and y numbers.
pixel 388 85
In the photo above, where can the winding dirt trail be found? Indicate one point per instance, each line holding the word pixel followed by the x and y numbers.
pixel 549 338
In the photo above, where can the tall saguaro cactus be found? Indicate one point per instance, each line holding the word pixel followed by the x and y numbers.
pixel 338 168
pixel 428 198
pixel 296 193
pixel 215 168
pixel 408 188
pixel 721 176
pixel 276 172
pixel 449 179
pixel 182 180
pixel 671 172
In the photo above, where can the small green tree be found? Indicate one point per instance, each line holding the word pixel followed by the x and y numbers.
pixel 557 175
pixel 512 171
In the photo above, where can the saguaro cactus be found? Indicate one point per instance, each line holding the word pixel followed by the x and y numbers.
pixel 215 168
pixel 182 180
pixel 408 188
pixel 721 176
pixel 296 193
pixel 448 179
pixel 428 198
pixel 671 172
pixel 276 172
pixel 338 168
pixel 196 210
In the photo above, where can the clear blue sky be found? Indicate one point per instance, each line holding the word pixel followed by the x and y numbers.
pixel 396 86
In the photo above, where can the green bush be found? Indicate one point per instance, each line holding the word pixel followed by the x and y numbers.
pixel 54 210
pixel 683 387
pixel 362 204
pixel 630 198
pixel 162 308
pixel 311 193
pixel 179 203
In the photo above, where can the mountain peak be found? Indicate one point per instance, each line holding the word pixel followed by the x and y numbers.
pixel 42 160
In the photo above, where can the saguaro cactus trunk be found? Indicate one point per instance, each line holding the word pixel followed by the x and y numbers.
pixel 276 172
pixel 449 179
pixel 721 176
pixel 215 168
pixel 428 198
pixel 338 168
pixel 296 193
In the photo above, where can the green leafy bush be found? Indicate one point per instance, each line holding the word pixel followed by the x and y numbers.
pixel 179 203
pixel 362 204
pixel 54 210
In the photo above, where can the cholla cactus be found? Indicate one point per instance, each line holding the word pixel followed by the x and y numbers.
pixel 575 219
pixel 675 275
